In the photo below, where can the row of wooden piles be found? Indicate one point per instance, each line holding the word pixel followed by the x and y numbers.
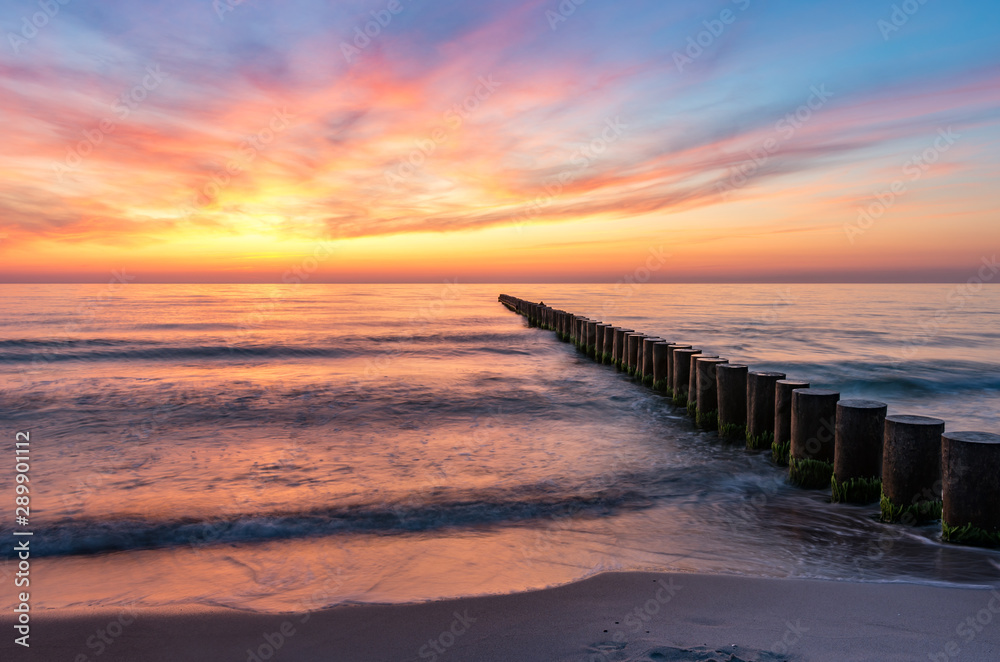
pixel 916 470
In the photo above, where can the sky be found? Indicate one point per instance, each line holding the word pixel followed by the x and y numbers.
pixel 498 140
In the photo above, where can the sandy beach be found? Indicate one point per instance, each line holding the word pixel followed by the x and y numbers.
pixel 613 616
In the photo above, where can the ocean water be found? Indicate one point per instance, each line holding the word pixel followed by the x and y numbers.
pixel 275 448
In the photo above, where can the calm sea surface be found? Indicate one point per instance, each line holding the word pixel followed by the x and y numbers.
pixel 285 447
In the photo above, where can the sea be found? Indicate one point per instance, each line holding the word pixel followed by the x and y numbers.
pixel 276 448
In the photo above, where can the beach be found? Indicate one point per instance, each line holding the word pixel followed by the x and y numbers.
pixel 635 616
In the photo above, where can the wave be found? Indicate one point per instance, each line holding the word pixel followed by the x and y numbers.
pixel 906 378
pixel 82 536
pixel 176 353
pixel 120 349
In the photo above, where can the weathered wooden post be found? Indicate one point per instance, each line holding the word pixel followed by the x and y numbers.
pixel 783 418
pixel 706 412
pixel 599 342
pixel 669 388
pixel 660 366
pixel 814 426
pixel 602 330
pixel 621 348
pixel 682 374
pixel 857 454
pixel 971 488
pixel 911 469
pixel 634 342
pixel 607 348
pixel 646 365
pixel 590 339
pixel 731 384
pixel 692 403
pixel 760 408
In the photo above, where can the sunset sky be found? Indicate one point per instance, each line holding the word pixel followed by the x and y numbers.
pixel 514 140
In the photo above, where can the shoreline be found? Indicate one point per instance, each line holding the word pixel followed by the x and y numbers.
pixel 610 616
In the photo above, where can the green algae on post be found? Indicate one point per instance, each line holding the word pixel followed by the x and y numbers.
pixel 911 468
pixel 760 408
pixel 759 442
pixel 731 385
pixel 855 490
pixel 918 512
pixel 857 464
pixel 810 455
pixel 969 535
pixel 779 452
pixel 808 473
pixel 732 431
pixel 783 389
pixel 707 398
pixel 971 488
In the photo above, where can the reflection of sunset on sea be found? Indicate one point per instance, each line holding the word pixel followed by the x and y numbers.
pixel 498 143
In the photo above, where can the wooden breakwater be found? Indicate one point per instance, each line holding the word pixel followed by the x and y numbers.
pixel 909 464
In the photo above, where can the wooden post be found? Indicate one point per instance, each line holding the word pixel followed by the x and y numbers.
pixel 706 413
pixel 590 338
pixel 857 455
pixel 911 469
pixel 760 408
pixel 646 365
pixel 599 342
pixel 634 342
pixel 660 366
pixel 971 488
pixel 692 403
pixel 783 418
pixel 682 374
pixel 814 425
pixel 606 344
pixel 669 390
pixel 731 384
pixel 621 348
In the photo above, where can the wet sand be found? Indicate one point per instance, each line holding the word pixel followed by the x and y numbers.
pixel 614 616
